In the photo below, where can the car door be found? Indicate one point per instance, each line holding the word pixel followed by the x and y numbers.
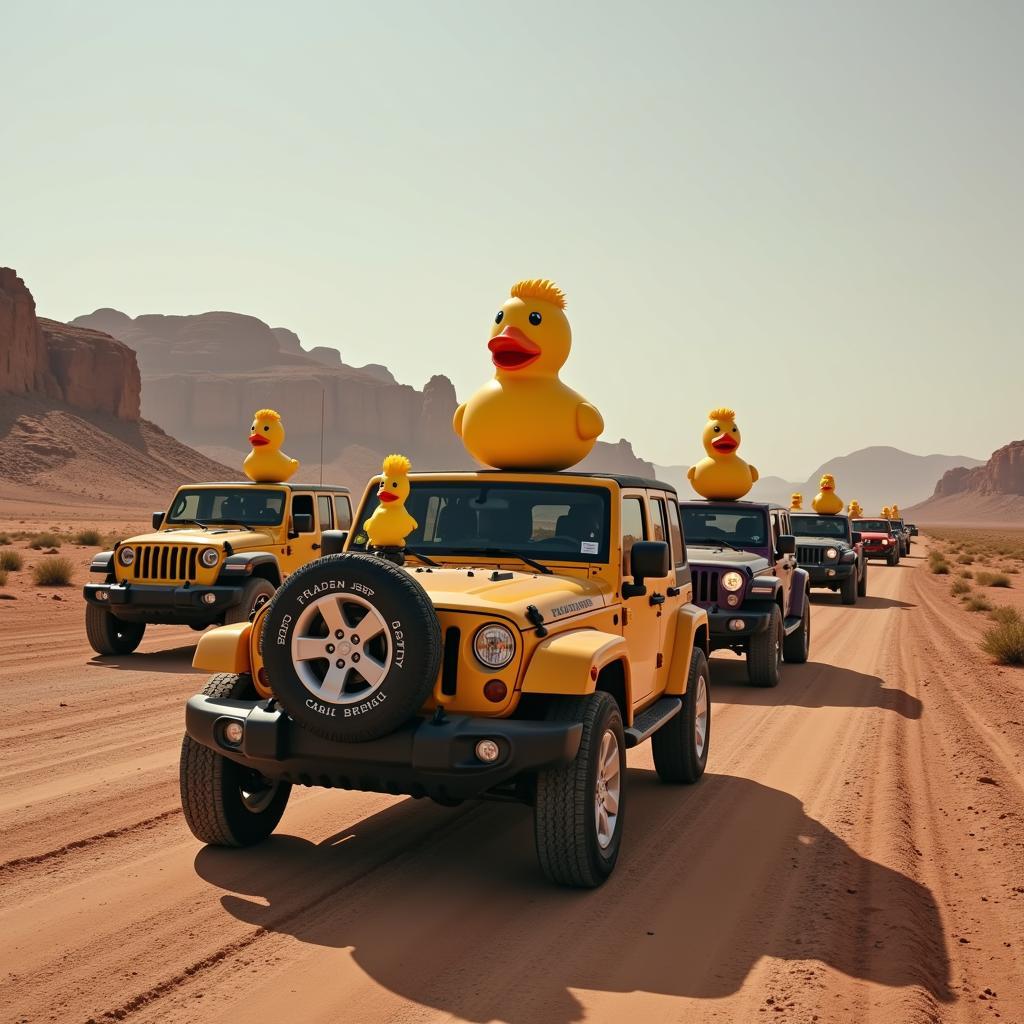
pixel 784 564
pixel 303 545
pixel 641 625
pixel 669 593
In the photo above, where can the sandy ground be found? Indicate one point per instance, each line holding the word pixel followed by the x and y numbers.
pixel 853 854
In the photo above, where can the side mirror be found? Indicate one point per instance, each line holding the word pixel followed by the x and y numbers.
pixel 787 544
pixel 302 524
pixel 857 536
pixel 332 542
pixel 648 559
pixel 913 530
pixel 158 520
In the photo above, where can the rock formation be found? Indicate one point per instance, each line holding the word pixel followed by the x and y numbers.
pixel 1002 474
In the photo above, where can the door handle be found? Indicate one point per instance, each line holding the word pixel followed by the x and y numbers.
pixel 316 547
pixel 657 598
pixel 674 591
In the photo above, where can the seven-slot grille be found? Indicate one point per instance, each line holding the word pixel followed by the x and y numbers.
pixel 705 585
pixel 165 562
pixel 810 553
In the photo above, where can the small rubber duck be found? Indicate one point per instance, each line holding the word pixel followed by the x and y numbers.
pixel 526 418
pixel 723 475
pixel 390 524
pixel 796 502
pixel 886 512
pixel 266 463
pixel 855 510
pixel 826 502
pixel 896 512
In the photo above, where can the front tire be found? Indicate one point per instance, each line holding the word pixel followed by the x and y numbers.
pixel 862 585
pixel 764 652
pixel 680 746
pixel 848 589
pixel 797 646
pixel 226 804
pixel 255 594
pixel 893 558
pixel 109 635
pixel 579 812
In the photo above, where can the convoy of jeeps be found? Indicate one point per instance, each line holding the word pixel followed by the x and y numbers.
pixel 503 634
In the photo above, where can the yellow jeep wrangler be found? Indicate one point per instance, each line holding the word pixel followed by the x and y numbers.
pixel 540 625
pixel 215 556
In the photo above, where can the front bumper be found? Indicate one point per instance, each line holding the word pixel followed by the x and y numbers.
pixel 829 574
pixel 423 758
pixel 755 620
pixel 148 602
pixel 880 552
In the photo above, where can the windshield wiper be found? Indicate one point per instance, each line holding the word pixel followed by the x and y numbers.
pixel 713 542
pixel 193 522
pixel 505 553
pixel 422 557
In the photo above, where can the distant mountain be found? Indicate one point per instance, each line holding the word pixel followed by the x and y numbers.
pixel 875 476
pixel 989 494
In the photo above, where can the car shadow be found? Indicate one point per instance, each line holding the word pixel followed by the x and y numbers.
pixel 812 685
pixel 175 659
pixel 713 878
pixel 824 597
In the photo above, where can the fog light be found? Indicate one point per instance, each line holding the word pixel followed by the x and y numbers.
pixel 209 598
pixel 732 600
pixel 233 733
pixel 495 691
pixel 102 595
pixel 830 572
pixel 488 751
pixel 736 624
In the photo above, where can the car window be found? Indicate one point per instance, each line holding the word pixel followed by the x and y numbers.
pixel 249 505
pixel 659 521
pixel 342 511
pixel 707 523
pixel 302 505
pixel 634 528
pixel 323 504
pixel 676 530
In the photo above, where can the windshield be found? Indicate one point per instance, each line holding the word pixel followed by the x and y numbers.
pixel 248 506
pixel 873 525
pixel 563 523
pixel 819 526
pixel 897 524
pixel 710 525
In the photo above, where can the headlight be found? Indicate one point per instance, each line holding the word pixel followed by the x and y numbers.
pixel 885 543
pixel 209 557
pixel 494 645
pixel 126 556
pixel 831 553
pixel 732 581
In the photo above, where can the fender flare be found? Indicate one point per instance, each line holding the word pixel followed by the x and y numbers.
pixel 238 567
pixel 102 561
pixel 692 632
pixel 568 664
pixel 224 649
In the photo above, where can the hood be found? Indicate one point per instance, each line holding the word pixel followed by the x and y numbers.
pixel 726 558
pixel 215 537
pixel 823 542
pixel 473 590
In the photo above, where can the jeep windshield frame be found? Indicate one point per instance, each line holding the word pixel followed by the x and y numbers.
pixel 503 519
pixel 807 524
pixel 228 506
pixel 873 525
pixel 713 524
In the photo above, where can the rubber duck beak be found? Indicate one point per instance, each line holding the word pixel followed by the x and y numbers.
pixel 512 349
pixel 257 440
pixel 725 443
pixel 387 496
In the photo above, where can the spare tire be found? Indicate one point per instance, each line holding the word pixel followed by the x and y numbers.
pixel 352 647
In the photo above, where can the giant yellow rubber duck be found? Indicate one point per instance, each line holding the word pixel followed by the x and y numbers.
pixel 896 512
pixel 390 524
pixel 855 510
pixel 723 475
pixel 886 512
pixel 796 502
pixel 526 418
pixel 266 463
pixel 826 502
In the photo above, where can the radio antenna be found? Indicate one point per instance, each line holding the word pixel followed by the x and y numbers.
pixel 323 392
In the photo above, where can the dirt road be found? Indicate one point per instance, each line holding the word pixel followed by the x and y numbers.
pixel 853 854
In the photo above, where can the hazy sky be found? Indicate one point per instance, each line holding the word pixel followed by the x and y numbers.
pixel 810 211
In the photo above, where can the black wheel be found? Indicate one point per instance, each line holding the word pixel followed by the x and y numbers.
pixel 226 804
pixel 797 646
pixel 578 816
pixel 862 585
pixel 255 594
pixel 893 558
pixel 848 589
pixel 109 635
pixel 764 652
pixel 352 647
pixel 680 746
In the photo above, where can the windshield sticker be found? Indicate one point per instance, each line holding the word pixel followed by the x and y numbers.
pixel 589 547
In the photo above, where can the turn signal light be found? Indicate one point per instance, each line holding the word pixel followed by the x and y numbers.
pixel 495 691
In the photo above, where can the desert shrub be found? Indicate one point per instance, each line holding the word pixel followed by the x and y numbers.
pixel 965 559
pixel 1005 642
pixel 53 572
pixel 993 579
pixel 11 560
pixel 3 577
pixel 978 603
pixel 88 538
pixel 959 587
pixel 967 574
pixel 45 540
pixel 1004 613
pixel 5 538
pixel 940 568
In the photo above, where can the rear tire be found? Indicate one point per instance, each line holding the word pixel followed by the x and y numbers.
pixel 862 585
pixel 680 746
pixel 764 652
pixel 255 594
pixel 577 831
pixel 797 646
pixel 848 589
pixel 893 558
pixel 226 804
pixel 109 635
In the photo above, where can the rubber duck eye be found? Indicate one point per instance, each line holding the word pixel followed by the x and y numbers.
pixel 499 316
pixel 735 430
pixel 267 427
pixel 718 430
pixel 535 318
